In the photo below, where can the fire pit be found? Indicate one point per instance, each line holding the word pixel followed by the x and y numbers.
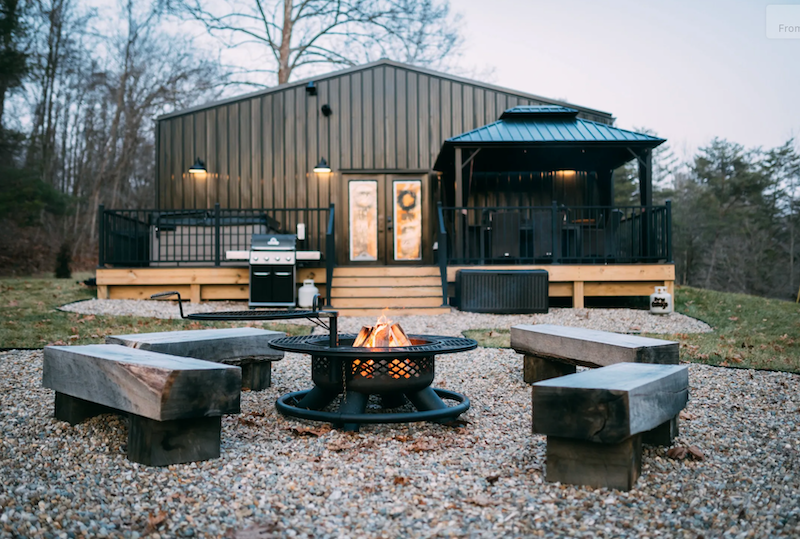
pixel 397 375
pixel 381 360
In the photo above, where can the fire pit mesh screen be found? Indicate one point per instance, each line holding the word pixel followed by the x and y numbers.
pixel 396 368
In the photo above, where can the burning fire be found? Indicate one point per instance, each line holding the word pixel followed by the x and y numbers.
pixel 384 334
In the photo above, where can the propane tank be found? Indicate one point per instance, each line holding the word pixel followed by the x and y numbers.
pixel 660 301
pixel 305 296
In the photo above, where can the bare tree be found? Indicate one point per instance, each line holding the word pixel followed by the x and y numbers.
pixel 300 33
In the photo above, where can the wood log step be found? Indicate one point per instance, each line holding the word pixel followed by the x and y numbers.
pixel 248 348
pixel 589 347
pixel 611 404
pixel 148 384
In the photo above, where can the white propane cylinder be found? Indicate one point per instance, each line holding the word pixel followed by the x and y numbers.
pixel 305 296
pixel 660 301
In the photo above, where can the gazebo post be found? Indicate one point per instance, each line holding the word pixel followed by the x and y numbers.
pixel 646 197
pixel 459 224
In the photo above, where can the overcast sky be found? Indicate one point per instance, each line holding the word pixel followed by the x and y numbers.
pixel 690 70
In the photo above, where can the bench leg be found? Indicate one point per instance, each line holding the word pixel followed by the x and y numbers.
pixel 74 410
pixel 160 443
pixel 257 376
pixel 663 434
pixel 577 462
pixel 535 369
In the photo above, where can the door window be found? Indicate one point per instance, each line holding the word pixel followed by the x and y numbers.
pixel 407 203
pixel 363 206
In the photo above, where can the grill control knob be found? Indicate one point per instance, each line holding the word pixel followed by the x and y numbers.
pixel 277 259
pixel 255 258
pixel 266 259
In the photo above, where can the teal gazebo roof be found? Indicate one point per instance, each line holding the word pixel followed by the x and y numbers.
pixel 532 124
pixel 553 137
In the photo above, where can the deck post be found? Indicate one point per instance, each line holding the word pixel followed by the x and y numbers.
pixel 217 246
pixel 101 235
pixel 668 232
pixel 646 199
pixel 459 251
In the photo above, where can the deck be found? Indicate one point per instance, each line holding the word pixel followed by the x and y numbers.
pixel 360 290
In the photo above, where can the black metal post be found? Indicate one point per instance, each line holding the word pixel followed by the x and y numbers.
pixel 217 242
pixel 333 329
pixel 442 253
pixel 101 235
pixel 330 253
pixel 668 232
pixel 554 232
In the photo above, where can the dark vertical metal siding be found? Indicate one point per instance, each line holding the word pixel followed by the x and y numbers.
pixel 535 189
pixel 261 151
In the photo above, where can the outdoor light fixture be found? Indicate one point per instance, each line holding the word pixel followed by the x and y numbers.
pixel 322 166
pixel 311 89
pixel 326 110
pixel 199 167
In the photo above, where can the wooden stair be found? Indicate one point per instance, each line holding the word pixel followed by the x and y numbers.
pixel 367 291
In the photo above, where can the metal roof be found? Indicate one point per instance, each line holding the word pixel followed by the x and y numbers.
pixel 553 124
pixel 538 111
pixel 381 62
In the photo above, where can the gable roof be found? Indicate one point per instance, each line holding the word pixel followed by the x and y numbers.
pixel 533 124
pixel 372 65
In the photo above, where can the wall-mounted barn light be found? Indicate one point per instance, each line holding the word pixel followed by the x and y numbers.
pixel 199 167
pixel 326 110
pixel 311 89
pixel 322 166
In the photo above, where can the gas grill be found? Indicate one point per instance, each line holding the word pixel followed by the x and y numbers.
pixel 273 261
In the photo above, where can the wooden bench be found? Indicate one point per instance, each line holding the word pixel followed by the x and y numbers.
pixel 596 421
pixel 174 404
pixel 248 348
pixel 551 351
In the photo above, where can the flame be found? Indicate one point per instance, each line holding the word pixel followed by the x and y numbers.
pixel 384 333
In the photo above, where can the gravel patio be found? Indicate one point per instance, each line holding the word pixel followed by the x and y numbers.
pixel 287 478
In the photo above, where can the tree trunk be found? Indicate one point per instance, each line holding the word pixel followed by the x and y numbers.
pixel 713 261
pixel 285 50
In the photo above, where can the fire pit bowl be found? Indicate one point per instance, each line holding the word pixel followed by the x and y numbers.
pixel 396 374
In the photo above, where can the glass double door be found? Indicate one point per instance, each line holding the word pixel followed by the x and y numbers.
pixel 385 219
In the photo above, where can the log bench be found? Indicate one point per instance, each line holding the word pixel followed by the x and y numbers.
pixel 550 351
pixel 174 404
pixel 596 420
pixel 247 348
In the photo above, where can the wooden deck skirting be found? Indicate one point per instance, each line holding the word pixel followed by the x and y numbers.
pixel 195 284
pixel 231 283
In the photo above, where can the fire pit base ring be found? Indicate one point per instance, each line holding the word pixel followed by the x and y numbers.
pixel 287 406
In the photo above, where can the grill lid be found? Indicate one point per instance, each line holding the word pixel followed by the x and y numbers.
pixel 273 242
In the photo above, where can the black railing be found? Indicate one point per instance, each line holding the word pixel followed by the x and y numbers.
pixel 139 238
pixel 555 235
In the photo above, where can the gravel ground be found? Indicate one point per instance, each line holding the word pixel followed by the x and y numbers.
pixel 617 320
pixel 481 480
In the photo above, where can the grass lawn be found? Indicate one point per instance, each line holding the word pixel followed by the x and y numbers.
pixel 29 317
pixel 749 331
